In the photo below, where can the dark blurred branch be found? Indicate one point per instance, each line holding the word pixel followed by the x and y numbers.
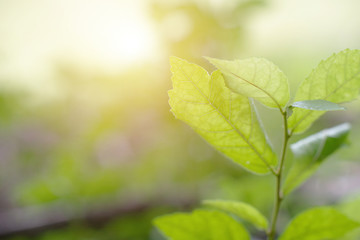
pixel 34 220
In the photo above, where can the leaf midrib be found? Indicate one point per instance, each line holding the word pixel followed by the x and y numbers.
pixel 254 85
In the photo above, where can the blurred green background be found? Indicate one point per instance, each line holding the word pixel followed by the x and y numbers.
pixel 88 146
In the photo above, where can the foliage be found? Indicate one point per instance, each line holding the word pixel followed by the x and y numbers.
pixel 219 107
pixel 232 129
pixel 201 224
pixel 242 210
pixel 337 79
pixel 311 151
pixel 319 223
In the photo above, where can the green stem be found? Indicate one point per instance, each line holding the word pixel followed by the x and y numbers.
pixel 278 194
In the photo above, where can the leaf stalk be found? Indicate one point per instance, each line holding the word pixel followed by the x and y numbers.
pixel 278 193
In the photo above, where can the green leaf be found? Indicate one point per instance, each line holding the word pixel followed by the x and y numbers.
pixel 243 210
pixel 351 208
pixel 221 117
pixel 318 223
pixel 337 79
pixel 318 105
pixel 257 78
pixel 201 225
pixel 310 152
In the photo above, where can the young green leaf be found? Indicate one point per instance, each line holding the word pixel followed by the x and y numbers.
pixel 318 105
pixel 337 79
pixel 243 210
pixel 310 152
pixel 351 208
pixel 221 117
pixel 201 225
pixel 257 78
pixel 319 223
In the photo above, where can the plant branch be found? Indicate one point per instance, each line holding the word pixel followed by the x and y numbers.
pixel 34 220
pixel 278 193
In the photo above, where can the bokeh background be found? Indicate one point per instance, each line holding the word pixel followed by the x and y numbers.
pixel 88 146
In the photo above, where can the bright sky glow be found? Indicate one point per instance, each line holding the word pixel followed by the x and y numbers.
pixel 300 25
pixel 106 36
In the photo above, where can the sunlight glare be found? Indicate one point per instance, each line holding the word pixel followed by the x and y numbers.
pixel 106 36
pixel 116 39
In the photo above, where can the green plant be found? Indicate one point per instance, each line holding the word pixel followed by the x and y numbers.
pixel 219 107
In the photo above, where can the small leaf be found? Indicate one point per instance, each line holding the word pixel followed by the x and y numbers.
pixel 201 225
pixel 351 208
pixel 223 118
pixel 318 105
pixel 337 79
pixel 257 78
pixel 289 111
pixel 243 210
pixel 310 152
pixel 319 223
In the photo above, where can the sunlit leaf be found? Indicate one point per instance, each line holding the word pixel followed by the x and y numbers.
pixel 221 117
pixel 243 210
pixel 201 225
pixel 337 79
pixel 257 78
pixel 319 223
pixel 318 105
pixel 310 152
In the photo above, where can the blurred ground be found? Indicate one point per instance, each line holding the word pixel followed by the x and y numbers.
pixel 88 147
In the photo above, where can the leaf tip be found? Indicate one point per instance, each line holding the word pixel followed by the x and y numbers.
pixel 176 60
pixel 173 58
pixel 213 61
